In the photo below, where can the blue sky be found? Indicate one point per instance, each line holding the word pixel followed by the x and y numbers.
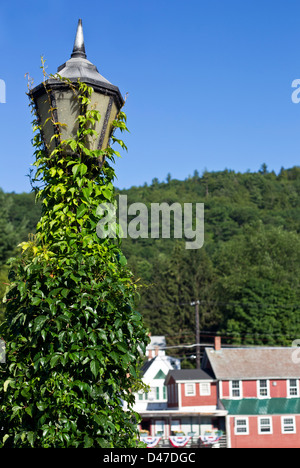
pixel 209 82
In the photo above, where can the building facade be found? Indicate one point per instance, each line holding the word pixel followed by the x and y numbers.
pixel 250 394
pixel 259 389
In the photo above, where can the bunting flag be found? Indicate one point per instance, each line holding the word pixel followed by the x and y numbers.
pixel 179 441
pixel 150 441
pixel 210 439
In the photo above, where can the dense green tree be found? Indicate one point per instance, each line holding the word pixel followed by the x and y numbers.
pixel 258 281
pixel 8 234
pixel 241 210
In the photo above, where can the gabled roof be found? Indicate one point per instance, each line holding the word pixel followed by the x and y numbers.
pixel 253 363
pixel 156 367
pixel 256 406
pixel 147 364
pixel 183 375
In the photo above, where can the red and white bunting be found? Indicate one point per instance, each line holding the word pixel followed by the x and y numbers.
pixel 150 441
pixel 179 441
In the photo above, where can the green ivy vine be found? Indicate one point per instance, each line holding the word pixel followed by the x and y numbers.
pixel 73 336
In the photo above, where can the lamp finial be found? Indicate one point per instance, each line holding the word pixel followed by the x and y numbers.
pixel 79 48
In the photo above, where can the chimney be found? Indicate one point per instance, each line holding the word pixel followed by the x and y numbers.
pixel 217 343
pixel 156 350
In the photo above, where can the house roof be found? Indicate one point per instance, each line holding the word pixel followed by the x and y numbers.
pixel 254 406
pixel 147 364
pixel 254 363
pixel 188 374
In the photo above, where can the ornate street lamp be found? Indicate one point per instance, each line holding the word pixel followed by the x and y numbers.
pixel 56 102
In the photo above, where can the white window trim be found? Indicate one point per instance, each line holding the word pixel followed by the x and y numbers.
pixel 263 397
pixel 185 389
pixel 160 424
pixel 288 388
pixel 240 389
pixel 220 387
pixel 205 393
pixel 259 425
pixel 282 425
pixel 247 426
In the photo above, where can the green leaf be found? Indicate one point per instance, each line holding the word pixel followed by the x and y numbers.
pixel 107 193
pixel 65 292
pixel 22 289
pixel 36 301
pixel 83 169
pixel 115 356
pixel 6 384
pixel 54 360
pixel 75 169
pixel 81 210
pixel 87 192
pixel 93 337
pixel 94 366
pixel 30 438
pixel 101 420
pixel 88 442
pixel 28 411
pixel 122 347
pixel 39 322
pixel 41 406
pixel 126 360
pixel 122 260
pixel 72 144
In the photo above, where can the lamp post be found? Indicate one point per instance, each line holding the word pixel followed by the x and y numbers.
pixel 54 98
pixel 70 304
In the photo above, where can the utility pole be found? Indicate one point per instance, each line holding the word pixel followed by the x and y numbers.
pixel 197 323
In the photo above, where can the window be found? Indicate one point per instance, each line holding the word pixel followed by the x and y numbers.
pixel 241 426
pixel 152 395
pixel 263 389
pixel 236 389
pixel 204 389
pixel 293 388
pixel 175 425
pixel 190 389
pixel 265 426
pixel 159 427
pixel 288 425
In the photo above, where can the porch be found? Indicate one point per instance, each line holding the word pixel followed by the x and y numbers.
pixel 198 429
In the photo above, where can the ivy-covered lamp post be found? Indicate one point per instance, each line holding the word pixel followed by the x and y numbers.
pixel 73 335
pixel 106 98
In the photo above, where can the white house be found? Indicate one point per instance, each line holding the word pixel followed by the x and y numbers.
pixel 154 372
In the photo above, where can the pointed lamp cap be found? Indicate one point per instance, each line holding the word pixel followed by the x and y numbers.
pixel 79 48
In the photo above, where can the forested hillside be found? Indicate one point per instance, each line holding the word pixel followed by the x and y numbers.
pixel 246 276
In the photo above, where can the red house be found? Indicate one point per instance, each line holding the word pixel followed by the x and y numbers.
pixel 251 396
pixel 193 396
pixel 259 389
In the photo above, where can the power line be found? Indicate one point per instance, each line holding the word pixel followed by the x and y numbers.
pixel 232 303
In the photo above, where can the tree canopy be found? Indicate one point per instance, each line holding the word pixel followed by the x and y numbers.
pixel 246 274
